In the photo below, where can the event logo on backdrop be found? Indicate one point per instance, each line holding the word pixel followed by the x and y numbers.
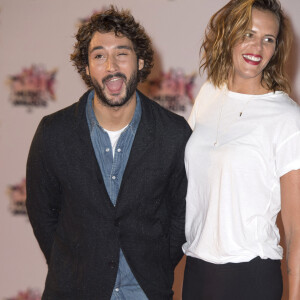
pixel 32 87
pixel 174 91
pixel 17 198
pixel 29 294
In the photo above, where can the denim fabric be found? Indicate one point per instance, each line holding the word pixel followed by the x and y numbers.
pixel 112 168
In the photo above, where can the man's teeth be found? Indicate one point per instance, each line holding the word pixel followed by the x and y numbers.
pixel 251 57
pixel 115 79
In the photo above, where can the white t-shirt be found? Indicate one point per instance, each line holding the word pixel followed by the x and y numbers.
pixel 114 137
pixel 240 146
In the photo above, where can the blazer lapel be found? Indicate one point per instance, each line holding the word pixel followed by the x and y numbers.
pixel 87 153
pixel 144 138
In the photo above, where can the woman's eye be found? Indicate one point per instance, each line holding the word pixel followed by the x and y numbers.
pixel 270 40
pixel 248 34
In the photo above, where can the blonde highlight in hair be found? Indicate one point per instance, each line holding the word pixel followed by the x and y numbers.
pixel 227 27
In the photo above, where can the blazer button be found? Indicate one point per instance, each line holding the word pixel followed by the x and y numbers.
pixel 117 223
pixel 112 264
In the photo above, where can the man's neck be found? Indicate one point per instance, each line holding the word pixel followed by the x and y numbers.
pixel 114 118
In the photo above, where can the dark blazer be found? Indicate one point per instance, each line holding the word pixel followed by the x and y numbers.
pixel 80 231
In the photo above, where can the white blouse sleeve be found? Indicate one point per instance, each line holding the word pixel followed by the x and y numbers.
pixel 192 117
pixel 288 144
pixel 204 91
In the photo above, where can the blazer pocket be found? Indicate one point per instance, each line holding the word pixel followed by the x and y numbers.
pixel 63 267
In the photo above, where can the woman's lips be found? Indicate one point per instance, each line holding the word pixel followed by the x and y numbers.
pixel 252 58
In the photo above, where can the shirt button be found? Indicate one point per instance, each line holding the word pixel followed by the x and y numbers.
pixel 119 150
pixel 107 149
pixel 113 177
pixel 116 289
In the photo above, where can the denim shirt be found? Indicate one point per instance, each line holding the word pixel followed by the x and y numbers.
pixel 112 168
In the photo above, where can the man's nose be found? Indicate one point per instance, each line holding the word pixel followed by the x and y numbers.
pixel 111 64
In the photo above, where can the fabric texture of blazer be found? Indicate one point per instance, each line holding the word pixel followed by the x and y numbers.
pixel 77 227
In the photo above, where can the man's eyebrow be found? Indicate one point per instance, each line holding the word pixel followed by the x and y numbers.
pixel 117 47
pixel 124 47
pixel 96 48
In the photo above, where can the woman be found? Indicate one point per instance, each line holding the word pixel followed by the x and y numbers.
pixel 243 160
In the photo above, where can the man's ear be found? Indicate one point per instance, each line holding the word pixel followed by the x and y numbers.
pixel 87 70
pixel 141 64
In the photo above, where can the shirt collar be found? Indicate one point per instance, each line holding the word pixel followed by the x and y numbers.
pixel 92 120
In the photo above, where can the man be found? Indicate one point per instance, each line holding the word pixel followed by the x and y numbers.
pixel 106 182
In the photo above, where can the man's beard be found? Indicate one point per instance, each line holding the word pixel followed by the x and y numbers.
pixel 131 86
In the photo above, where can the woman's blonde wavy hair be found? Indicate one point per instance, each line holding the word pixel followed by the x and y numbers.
pixel 227 27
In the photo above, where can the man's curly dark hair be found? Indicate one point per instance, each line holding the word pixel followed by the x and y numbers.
pixel 122 23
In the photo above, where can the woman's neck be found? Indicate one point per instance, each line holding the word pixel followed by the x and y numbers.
pixel 251 87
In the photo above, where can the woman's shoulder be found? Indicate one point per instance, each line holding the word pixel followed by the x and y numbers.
pixel 207 90
pixel 209 87
pixel 286 112
pixel 285 105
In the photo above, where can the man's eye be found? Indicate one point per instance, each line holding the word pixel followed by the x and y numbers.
pixel 122 53
pixel 99 56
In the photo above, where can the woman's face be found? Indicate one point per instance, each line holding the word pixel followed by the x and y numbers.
pixel 253 53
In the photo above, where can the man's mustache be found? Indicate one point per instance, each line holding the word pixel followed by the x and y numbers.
pixel 108 77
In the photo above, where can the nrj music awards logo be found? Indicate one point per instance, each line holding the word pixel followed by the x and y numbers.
pixel 174 91
pixel 17 198
pixel 29 294
pixel 32 87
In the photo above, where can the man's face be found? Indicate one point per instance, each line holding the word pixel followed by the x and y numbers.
pixel 113 68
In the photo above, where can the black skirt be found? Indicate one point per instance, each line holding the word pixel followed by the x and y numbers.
pixel 258 279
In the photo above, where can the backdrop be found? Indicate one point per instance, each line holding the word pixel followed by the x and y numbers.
pixel 37 78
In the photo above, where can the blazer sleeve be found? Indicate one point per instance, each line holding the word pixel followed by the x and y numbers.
pixel 177 206
pixel 43 192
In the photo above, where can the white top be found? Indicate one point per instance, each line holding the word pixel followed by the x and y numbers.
pixel 114 137
pixel 233 165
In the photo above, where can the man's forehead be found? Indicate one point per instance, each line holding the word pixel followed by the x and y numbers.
pixel 109 40
pixel 98 35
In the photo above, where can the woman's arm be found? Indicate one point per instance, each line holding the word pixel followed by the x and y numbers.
pixel 290 212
